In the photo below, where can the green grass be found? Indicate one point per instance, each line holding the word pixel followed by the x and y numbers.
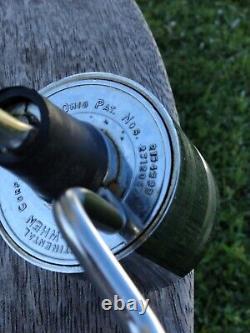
pixel 206 49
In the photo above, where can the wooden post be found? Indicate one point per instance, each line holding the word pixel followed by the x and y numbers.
pixel 43 41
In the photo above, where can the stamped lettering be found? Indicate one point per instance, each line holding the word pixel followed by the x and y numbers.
pixel 21 204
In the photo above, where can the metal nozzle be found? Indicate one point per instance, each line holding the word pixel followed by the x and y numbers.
pixel 13 132
pixel 62 152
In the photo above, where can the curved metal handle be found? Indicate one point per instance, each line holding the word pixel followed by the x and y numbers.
pixel 72 212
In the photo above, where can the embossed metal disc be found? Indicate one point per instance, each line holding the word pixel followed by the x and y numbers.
pixel 137 124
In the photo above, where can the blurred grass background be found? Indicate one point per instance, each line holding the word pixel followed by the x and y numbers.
pixel 206 49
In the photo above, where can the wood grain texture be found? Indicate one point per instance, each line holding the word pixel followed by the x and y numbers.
pixel 43 41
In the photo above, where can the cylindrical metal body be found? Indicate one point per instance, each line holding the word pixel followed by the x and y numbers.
pixel 186 219
pixel 162 180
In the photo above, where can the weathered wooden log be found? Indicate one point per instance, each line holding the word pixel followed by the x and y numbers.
pixel 43 41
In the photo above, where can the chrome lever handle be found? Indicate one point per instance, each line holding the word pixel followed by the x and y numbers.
pixel 72 213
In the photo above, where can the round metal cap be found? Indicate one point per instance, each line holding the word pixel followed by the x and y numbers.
pixel 139 128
